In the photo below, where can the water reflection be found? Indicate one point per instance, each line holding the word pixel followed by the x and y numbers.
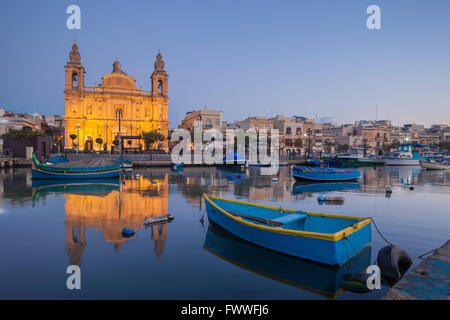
pixel 108 205
pixel 301 187
pixel 68 216
pixel 319 278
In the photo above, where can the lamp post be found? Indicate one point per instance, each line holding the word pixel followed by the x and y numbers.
pixel 309 133
pixel 78 136
pixel 119 115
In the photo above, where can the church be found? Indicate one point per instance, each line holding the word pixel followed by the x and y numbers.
pixel 94 112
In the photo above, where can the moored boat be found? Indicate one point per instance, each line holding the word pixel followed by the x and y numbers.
pixel 407 155
pixel 433 165
pixel 306 275
pixel 91 169
pixel 324 238
pixel 324 174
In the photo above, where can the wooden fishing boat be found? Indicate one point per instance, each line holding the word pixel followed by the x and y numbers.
pixel 303 274
pixel 324 174
pixel 432 165
pixel 324 238
pixel 75 170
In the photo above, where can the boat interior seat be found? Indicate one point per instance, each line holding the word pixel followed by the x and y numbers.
pixel 294 217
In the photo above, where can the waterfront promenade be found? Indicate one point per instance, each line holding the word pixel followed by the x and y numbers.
pixel 428 281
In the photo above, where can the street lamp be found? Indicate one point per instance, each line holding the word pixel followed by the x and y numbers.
pixel 309 133
pixel 78 136
pixel 119 115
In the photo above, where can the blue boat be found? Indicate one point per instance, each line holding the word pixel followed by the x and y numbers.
pixel 324 174
pixel 314 162
pixel 72 170
pixel 177 165
pixel 300 273
pixel 324 238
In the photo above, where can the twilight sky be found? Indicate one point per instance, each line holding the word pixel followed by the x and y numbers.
pixel 312 58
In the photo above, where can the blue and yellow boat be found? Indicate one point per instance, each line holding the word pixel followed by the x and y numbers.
pixel 324 174
pixel 325 238
pixel 73 170
pixel 306 275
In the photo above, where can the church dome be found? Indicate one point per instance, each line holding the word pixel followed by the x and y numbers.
pixel 118 79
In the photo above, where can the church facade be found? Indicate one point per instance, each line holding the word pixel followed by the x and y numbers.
pixel 94 112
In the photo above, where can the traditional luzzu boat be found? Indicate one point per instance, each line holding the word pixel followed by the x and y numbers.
pixel 81 169
pixel 324 238
pixel 324 174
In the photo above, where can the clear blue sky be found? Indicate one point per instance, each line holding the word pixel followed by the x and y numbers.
pixel 313 58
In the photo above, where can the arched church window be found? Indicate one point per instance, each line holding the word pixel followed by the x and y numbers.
pixel 74 80
pixel 160 85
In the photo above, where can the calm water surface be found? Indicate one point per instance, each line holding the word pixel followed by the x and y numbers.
pixel 45 228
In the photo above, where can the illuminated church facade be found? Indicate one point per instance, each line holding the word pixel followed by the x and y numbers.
pixel 93 112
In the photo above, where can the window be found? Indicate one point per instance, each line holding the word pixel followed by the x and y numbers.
pixel 208 123
pixel 299 131
pixel 74 80
pixel 288 130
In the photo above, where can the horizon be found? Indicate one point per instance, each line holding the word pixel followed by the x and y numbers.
pixel 317 60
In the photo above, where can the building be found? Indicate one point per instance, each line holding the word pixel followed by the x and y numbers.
pixel 209 119
pixel 16 121
pixel 291 133
pixel 255 123
pixel 93 112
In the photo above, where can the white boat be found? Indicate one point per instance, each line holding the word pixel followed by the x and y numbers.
pixel 406 155
pixel 433 165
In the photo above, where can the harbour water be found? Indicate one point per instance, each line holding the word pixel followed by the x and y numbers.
pixel 45 227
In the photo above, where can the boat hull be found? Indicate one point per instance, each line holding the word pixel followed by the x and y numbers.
pixel 42 171
pixel 304 173
pixel 434 166
pixel 401 162
pixel 312 248
pixel 39 174
pixel 307 275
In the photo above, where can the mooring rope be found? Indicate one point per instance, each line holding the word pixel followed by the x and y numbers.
pixel 379 232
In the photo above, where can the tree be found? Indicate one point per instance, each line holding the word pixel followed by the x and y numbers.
pixel 328 146
pixel 100 142
pixel 298 143
pixel 73 137
pixel 152 137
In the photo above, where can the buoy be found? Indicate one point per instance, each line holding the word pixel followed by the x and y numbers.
pixel 127 232
pixel 393 262
pixel 388 189
pixel 331 199
pixel 355 282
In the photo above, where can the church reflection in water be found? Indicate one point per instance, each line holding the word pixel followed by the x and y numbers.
pixel 109 206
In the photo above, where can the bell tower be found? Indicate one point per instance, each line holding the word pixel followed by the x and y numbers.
pixel 74 70
pixel 159 78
